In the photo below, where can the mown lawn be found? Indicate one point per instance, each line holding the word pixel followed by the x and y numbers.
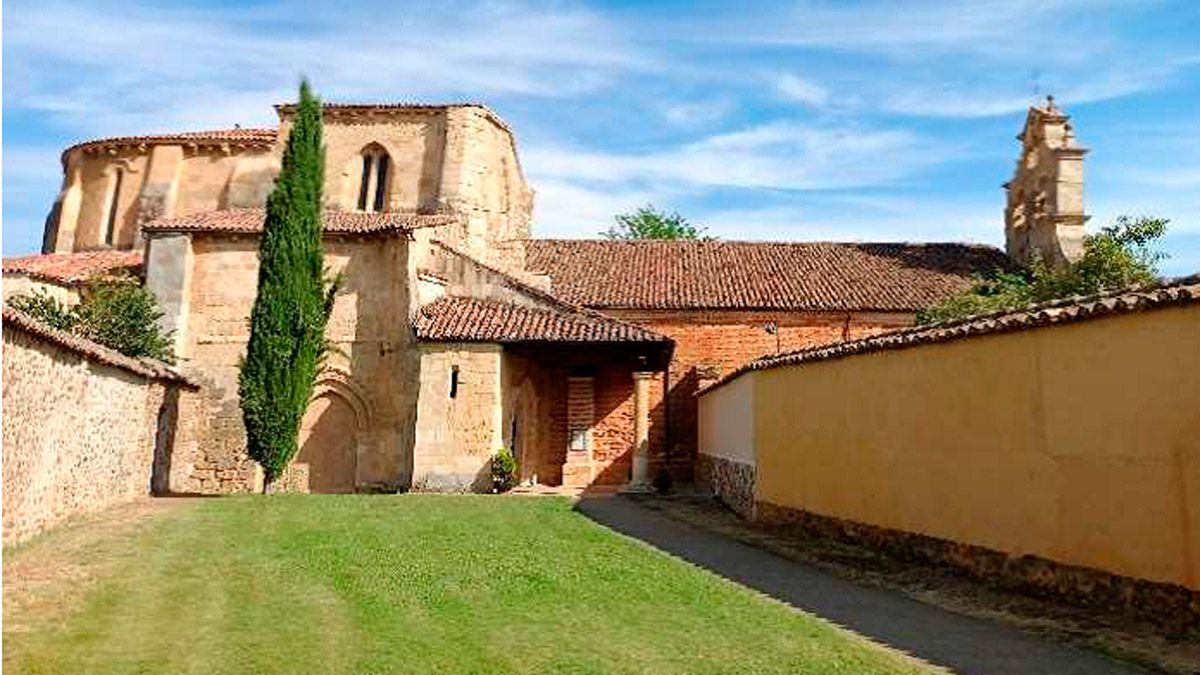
pixel 382 584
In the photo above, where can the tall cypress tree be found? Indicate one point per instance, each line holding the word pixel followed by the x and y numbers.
pixel 287 324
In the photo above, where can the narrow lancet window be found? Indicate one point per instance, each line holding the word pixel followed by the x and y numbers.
pixel 372 189
pixel 114 199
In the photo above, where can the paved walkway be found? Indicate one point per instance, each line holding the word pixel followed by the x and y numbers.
pixel 963 644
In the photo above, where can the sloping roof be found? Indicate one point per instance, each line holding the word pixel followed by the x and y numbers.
pixel 797 276
pixel 17 320
pixel 461 319
pixel 73 268
pixel 335 222
pixel 238 136
pixel 1067 310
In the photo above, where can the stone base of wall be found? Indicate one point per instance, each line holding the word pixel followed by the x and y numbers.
pixel 1175 608
pixel 731 482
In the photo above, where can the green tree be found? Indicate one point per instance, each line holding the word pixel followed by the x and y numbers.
pixel 116 312
pixel 649 223
pixel 122 314
pixel 1118 255
pixel 287 323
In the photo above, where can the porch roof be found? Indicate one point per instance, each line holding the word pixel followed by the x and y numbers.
pixel 464 319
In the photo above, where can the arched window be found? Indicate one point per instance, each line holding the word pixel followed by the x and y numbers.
pixel 114 199
pixel 372 190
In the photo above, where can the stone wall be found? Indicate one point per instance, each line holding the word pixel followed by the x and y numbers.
pixel 458 417
pixel 710 344
pixel 79 433
pixel 373 356
pixel 731 482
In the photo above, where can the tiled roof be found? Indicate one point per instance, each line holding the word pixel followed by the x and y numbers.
pixel 73 268
pixel 253 137
pixel 458 319
pixel 797 276
pixel 337 222
pixel 17 320
pixel 1068 310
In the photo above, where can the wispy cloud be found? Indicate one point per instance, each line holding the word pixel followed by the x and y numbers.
pixel 804 91
pixel 116 67
pixel 777 155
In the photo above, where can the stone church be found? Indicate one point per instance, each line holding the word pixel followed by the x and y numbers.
pixel 457 332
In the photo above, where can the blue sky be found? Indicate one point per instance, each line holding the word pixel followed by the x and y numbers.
pixel 807 120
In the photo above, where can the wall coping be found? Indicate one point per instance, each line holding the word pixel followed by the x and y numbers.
pixel 148 368
pixel 1126 300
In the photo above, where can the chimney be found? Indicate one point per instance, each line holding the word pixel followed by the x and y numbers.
pixel 1044 217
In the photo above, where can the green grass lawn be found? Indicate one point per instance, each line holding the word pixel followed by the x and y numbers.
pixel 381 584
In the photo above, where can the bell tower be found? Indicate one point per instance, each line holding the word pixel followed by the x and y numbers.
pixel 1043 217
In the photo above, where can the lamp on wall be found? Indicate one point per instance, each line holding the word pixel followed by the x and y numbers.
pixel 772 328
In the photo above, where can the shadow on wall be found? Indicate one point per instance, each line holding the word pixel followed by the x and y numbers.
pixel 329 444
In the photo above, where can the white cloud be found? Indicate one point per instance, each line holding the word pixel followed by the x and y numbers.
pixel 803 91
pixel 696 113
pixel 566 209
pixel 777 155
pixel 984 27
pixel 845 217
pixel 111 70
pixel 957 101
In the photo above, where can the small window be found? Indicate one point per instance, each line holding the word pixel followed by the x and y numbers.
pixel 366 182
pixel 381 176
pixel 114 199
pixel 453 381
pixel 372 188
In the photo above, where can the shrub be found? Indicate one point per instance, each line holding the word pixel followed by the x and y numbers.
pixel 504 470
pixel 122 314
pixel 46 308
pixel 117 312
pixel 1118 255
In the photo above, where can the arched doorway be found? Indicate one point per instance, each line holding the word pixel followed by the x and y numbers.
pixel 329 443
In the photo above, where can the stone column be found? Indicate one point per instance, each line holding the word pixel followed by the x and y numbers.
pixel 640 478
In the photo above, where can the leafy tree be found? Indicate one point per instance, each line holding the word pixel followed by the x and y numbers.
pixel 649 223
pixel 1118 255
pixel 287 323
pixel 117 312
pixel 122 314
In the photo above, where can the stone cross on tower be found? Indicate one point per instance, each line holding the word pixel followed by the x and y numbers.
pixel 1044 216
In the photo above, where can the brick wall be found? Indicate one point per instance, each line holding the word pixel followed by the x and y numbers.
pixel 709 344
pixel 79 434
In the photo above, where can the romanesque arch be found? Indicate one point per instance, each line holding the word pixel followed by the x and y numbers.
pixel 332 433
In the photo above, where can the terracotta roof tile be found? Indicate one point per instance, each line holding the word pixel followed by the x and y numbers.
pixel 256 137
pixel 338 222
pixel 17 320
pixel 1067 310
pixel 459 319
pixel 797 276
pixel 74 268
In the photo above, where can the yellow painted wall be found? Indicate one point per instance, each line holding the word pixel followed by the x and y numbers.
pixel 1079 443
